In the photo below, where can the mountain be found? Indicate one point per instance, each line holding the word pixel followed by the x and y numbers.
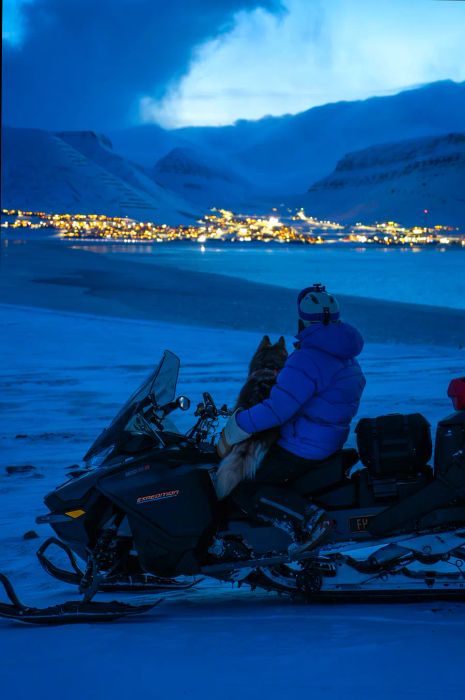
pixel 396 181
pixel 174 176
pixel 147 143
pixel 284 154
pixel 308 146
pixel 78 172
pixel 202 180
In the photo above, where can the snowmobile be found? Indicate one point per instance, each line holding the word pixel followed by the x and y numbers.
pixel 142 513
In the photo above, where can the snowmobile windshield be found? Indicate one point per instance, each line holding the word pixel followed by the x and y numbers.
pixel 134 418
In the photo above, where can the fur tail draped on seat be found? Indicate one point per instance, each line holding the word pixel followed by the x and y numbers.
pixel 241 463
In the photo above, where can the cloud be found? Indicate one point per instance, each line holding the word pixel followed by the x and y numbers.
pixel 314 53
pixel 88 63
pixel 13 21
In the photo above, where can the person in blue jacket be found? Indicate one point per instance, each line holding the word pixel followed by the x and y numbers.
pixel 316 395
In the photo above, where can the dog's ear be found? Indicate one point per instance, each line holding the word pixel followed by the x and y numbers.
pixel 281 342
pixel 264 343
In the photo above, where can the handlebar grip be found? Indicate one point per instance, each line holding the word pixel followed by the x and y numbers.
pixel 207 397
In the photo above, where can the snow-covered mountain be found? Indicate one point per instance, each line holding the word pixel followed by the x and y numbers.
pixel 79 172
pixel 172 175
pixel 396 181
pixel 202 180
pixel 284 154
pixel 146 143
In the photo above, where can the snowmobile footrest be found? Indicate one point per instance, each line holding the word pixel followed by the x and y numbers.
pixel 65 613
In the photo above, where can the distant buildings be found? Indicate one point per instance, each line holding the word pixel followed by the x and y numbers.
pixel 226 226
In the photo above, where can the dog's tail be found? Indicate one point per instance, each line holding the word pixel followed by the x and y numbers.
pixel 239 464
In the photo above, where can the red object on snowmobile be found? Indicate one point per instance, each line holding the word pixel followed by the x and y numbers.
pixel 456 391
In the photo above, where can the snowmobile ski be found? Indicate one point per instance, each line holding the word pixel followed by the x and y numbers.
pixel 124 583
pixel 70 612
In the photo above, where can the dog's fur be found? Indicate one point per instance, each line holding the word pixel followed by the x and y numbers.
pixel 243 460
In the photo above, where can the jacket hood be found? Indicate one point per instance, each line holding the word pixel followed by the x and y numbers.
pixel 338 339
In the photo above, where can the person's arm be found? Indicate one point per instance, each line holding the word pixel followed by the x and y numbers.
pixel 294 387
pixel 231 435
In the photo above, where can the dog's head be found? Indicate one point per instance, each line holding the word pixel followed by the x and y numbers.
pixel 269 356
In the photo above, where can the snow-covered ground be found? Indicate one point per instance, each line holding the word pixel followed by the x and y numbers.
pixel 62 378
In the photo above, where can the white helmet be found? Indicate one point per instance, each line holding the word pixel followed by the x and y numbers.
pixel 316 305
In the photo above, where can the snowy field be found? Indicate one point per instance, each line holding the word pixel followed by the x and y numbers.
pixel 63 377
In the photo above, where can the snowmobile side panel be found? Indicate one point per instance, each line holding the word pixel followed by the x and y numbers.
pixel 450 438
pixel 344 495
pixel 168 510
pixel 442 517
pixel 437 494
pixel 72 491
pixel 364 491
pixel 261 538
pixel 81 521
pixel 178 501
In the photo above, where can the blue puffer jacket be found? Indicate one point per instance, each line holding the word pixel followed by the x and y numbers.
pixel 316 395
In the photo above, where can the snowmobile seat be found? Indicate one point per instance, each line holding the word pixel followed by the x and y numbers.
pixel 329 472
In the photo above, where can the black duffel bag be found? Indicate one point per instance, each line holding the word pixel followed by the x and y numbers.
pixel 394 445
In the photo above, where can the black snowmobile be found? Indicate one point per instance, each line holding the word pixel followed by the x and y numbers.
pixel 142 513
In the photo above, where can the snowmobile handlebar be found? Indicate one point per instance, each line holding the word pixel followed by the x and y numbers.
pixel 207 413
pixel 208 408
pixel 182 402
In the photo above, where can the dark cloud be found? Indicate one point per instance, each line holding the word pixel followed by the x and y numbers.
pixel 86 63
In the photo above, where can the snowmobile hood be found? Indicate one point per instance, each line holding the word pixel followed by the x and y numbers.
pixel 338 339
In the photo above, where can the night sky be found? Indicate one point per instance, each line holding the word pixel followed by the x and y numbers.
pixel 107 64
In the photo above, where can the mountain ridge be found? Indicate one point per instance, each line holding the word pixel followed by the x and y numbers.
pixel 78 172
pixel 284 154
pixel 404 180
pixel 150 173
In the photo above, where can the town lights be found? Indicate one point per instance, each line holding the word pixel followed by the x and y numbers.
pixel 224 225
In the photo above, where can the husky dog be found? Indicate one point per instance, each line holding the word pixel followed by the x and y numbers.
pixel 243 460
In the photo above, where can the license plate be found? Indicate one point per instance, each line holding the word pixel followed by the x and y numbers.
pixel 360 523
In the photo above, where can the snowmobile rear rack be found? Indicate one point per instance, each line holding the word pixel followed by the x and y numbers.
pixel 73 611
pixel 126 583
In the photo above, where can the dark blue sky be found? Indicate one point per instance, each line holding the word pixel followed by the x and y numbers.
pixel 104 64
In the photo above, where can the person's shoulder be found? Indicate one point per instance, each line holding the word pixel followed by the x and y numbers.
pixel 306 360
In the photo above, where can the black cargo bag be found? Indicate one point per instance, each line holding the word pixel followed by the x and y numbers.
pixel 394 445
